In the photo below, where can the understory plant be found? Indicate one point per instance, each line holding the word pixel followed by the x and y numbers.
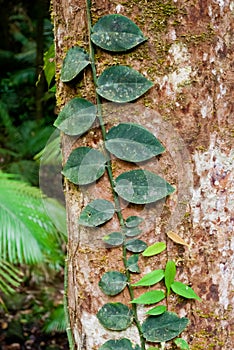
pixel 132 143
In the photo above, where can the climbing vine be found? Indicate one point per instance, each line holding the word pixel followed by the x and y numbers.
pixel 132 143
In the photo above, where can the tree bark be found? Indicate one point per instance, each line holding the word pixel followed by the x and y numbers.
pixel 189 57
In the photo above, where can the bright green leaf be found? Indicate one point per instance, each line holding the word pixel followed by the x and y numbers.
pixel 151 297
pixel 114 239
pixel 84 166
pixel 75 61
pixel 170 272
pixel 133 221
pixel 132 232
pixel 132 264
pixel 150 278
pixel 116 33
pixel 154 249
pixel 76 117
pixel 96 213
pixel 181 344
pixel 120 344
pixel 113 282
pixel 115 316
pixel 183 290
pixel 157 310
pixel 142 187
pixel 132 142
pixel 163 327
pixel 136 246
pixel 49 64
pixel 122 84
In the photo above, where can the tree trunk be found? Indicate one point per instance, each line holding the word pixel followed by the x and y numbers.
pixel 189 57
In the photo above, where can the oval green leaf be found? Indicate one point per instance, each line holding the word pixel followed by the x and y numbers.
pixel 84 166
pixel 76 117
pixel 116 33
pixel 181 344
pixel 75 61
pixel 132 142
pixel 112 282
pixel 136 246
pixel 115 316
pixel 114 239
pixel 154 249
pixel 133 221
pixel 150 278
pixel 151 297
pixel 122 84
pixel 132 232
pixel 120 344
pixel 185 291
pixel 142 187
pixel 163 327
pixel 157 310
pixel 132 264
pixel 96 213
pixel 170 272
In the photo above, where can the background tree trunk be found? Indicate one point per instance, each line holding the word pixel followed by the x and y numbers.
pixel 189 57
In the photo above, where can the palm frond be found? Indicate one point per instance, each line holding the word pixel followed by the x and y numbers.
pixel 56 322
pixel 10 277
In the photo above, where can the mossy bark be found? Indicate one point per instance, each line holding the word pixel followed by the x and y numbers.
pixel 189 57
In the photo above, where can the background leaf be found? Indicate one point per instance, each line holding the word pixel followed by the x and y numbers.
pixel 114 239
pixel 96 213
pixel 115 316
pixel 120 344
pixel 113 282
pixel 151 297
pixel 183 290
pixel 132 142
pixel 150 278
pixel 142 187
pixel 116 33
pixel 84 166
pixel 176 238
pixel 136 246
pixel 76 117
pixel 75 61
pixel 122 84
pixel 154 249
pixel 170 272
pixel 181 344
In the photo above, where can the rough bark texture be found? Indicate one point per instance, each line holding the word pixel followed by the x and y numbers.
pixel 189 56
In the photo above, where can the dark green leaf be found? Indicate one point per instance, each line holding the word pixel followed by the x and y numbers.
pixel 132 264
pixel 75 61
pixel 116 33
pixel 96 213
pixel 133 221
pixel 120 344
pixel 181 344
pixel 115 316
pixel 84 166
pixel 114 239
pixel 151 297
pixel 49 64
pixel 136 246
pixel 76 117
pixel 183 290
pixel 113 282
pixel 142 187
pixel 170 272
pixel 132 142
pixel 163 327
pixel 122 84
pixel 150 278
pixel 132 232
pixel 154 249
pixel 157 310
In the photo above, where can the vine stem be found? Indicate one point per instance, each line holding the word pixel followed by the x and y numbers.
pixel 66 311
pixel 109 170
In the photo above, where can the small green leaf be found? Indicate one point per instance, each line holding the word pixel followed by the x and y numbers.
pixel 181 344
pixel 163 327
pixel 122 84
pixel 84 166
pixel 154 249
pixel 132 232
pixel 157 310
pixel 75 61
pixel 170 272
pixel 132 264
pixel 142 187
pixel 114 239
pixel 96 213
pixel 115 316
pixel 132 142
pixel 136 246
pixel 150 278
pixel 113 282
pixel 133 221
pixel 185 291
pixel 151 297
pixel 116 33
pixel 76 117
pixel 120 344
pixel 49 64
